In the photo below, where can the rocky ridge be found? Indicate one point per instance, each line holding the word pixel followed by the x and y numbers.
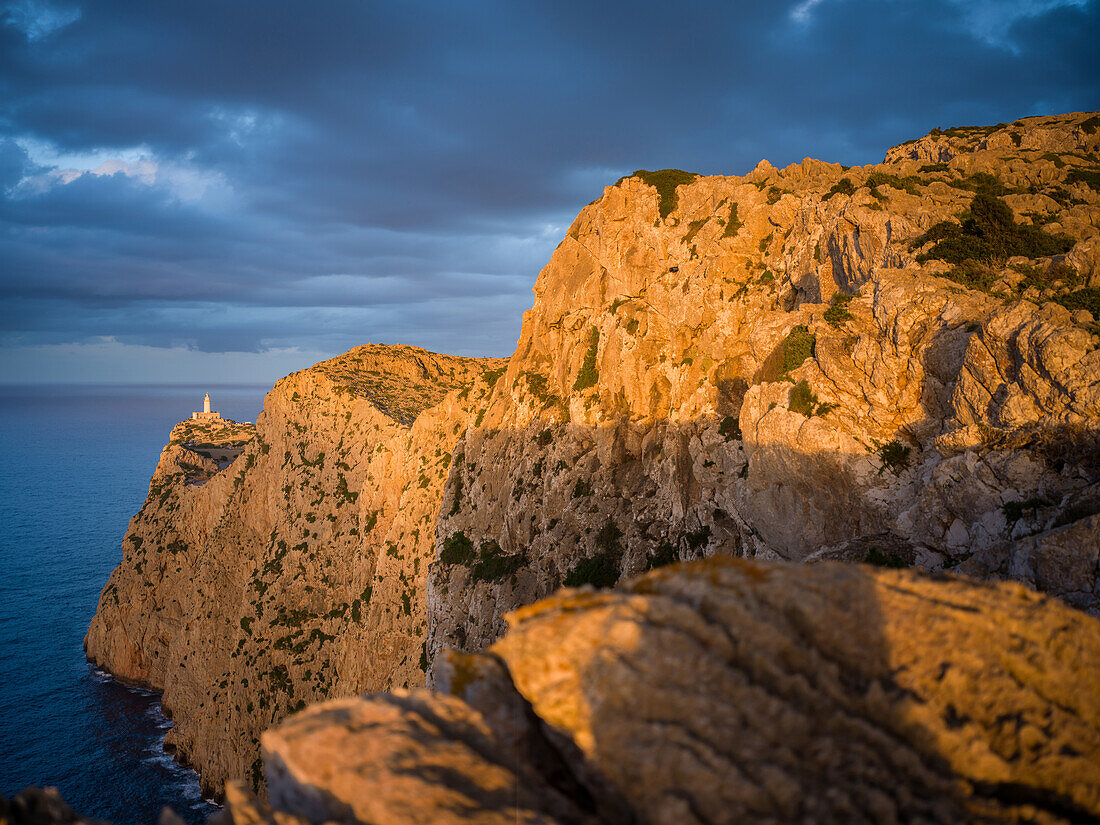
pixel 297 572
pixel 894 363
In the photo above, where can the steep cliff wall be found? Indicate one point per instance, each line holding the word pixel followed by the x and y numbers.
pixel 894 363
pixel 297 572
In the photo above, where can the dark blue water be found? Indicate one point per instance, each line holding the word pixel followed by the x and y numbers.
pixel 75 464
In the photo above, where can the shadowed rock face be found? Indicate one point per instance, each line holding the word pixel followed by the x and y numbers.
pixel 727 691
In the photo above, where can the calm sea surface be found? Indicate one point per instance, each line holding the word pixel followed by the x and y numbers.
pixel 75 464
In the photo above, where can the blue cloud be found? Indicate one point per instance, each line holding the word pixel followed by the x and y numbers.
pixel 211 176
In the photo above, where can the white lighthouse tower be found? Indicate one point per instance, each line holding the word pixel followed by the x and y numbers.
pixel 206 414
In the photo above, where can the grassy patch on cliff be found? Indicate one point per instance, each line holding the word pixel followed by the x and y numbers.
pixel 987 234
pixel 602 569
pixel 665 181
pixel 457 549
pixel 493 564
pixel 589 375
pixel 733 225
pixel 844 186
pixel 838 313
pixel 802 400
pixel 1088 298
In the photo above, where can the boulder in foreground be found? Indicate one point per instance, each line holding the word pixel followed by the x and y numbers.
pixel 726 691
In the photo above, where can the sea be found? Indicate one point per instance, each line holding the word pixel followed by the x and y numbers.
pixel 75 463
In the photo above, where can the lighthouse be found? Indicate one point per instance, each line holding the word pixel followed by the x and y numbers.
pixel 206 414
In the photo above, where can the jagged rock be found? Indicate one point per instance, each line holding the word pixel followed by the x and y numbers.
pixel 769 370
pixel 728 691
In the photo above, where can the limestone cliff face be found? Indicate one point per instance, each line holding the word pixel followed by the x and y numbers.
pixel 789 365
pixel 297 572
pixel 725 691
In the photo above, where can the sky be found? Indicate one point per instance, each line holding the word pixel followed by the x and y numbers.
pixel 229 191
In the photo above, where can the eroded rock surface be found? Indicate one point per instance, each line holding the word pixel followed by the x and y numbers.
pixel 729 691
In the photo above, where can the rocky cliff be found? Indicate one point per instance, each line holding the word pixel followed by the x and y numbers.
pixel 895 363
pixel 725 691
pixel 297 572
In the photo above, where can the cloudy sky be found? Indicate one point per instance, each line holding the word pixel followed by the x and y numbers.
pixel 212 190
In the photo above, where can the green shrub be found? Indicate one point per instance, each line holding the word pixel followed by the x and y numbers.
pixel 1088 177
pixel 910 183
pixel 582 489
pixel 698 539
pixel 799 345
pixel 1014 510
pixel 601 570
pixel 801 399
pixel 457 549
pixel 789 354
pixel 589 375
pixel 491 377
pixel 774 194
pixel 934 167
pixel 730 428
pixel 733 225
pixel 493 564
pixel 844 186
pixel 973 275
pixel 370 520
pixel 1087 298
pixel 894 455
pixel 981 183
pixel 989 234
pixel 538 384
pixel 545 438
pixel 663 555
pixel 838 313
pixel 665 181
pixel 1091 125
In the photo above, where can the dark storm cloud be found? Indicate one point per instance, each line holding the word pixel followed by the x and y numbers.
pixel 244 176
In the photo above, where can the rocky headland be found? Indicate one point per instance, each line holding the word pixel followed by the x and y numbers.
pixel 299 571
pixel 895 364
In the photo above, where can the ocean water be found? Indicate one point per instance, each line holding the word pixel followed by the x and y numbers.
pixel 75 463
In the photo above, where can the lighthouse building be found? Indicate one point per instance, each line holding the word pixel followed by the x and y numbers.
pixel 205 415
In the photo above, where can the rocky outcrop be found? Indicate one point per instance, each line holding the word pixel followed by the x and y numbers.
pixel 779 366
pixel 725 691
pixel 44 806
pixel 297 572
